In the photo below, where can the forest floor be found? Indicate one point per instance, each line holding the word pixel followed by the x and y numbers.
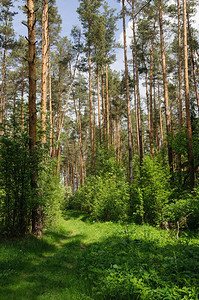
pixel 83 259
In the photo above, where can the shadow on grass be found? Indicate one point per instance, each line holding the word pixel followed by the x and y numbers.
pixel 120 268
pixel 35 268
pixel 81 215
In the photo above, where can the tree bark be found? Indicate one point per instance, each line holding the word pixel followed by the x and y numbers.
pixel 103 103
pixel 98 101
pixel 151 135
pixel 107 106
pixel 44 72
pixel 186 84
pixel 127 98
pixel 3 84
pixel 192 62
pixel 36 212
pixel 138 91
pixel 160 116
pixel 166 96
pixel 91 112
pixel 180 111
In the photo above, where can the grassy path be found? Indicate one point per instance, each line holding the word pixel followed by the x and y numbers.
pixel 134 262
pixel 44 268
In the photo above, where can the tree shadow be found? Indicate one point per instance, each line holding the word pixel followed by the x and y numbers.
pixel 32 268
pixel 121 266
pixel 81 215
pixel 126 268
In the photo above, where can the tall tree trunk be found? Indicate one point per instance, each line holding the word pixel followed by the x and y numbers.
pixel 180 110
pixel 44 71
pixel 3 84
pixel 78 119
pixel 155 120
pixel 148 108
pixel 166 95
pixel 107 106
pixel 91 112
pixel 192 62
pixel 103 103
pixel 59 120
pixel 36 212
pixel 98 101
pixel 186 84
pixel 22 100
pixel 160 116
pixel 151 135
pixel 135 103
pixel 127 98
pixel 138 91
pixel 50 99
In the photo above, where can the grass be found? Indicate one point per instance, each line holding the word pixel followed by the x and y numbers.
pixel 83 259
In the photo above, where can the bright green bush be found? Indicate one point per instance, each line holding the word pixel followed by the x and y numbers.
pixel 105 196
pixel 152 191
pixel 52 194
pixel 17 198
pixel 187 206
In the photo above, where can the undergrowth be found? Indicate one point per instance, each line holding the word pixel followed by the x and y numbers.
pixel 85 259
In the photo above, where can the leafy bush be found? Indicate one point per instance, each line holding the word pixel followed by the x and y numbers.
pixel 180 208
pixel 152 191
pixel 16 196
pixel 105 196
pixel 52 193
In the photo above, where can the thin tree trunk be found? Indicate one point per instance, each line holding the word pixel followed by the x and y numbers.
pixel 3 84
pixel 186 84
pixel 155 120
pixel 135 104
pixel 138 91
pixel 151 135
pixel 107 106
pixel 180 111
pixel 91 112
pixel 44 71
pixel 127 98
pixel 192 62
pixel 36 212
pixel 50 99
pixel 22 100
pixel 103 103
pixel 160 116
pixel 166 95
pixel 98 101
pixel 78 120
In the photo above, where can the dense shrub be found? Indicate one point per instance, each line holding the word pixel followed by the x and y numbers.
pixel 152 192
pixel 105 196
pixel 186 208
pixel 17 197
pixel 51 193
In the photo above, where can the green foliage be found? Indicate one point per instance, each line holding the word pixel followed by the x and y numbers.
pixel 16 194
pixel 106 196
pixel 140 263
pixel 185 207
pixel 82 259
pixel 152 192
pixel 52 193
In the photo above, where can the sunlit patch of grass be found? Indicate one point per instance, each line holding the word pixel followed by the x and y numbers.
pixel 85 259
